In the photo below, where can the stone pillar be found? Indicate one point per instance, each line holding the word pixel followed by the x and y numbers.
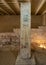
pixel 24 57
pixel 25 30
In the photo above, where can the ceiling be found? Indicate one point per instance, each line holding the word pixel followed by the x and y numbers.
pixel 12 7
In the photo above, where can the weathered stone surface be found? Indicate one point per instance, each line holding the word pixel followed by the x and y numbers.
pixel 25 61
pixel 24 56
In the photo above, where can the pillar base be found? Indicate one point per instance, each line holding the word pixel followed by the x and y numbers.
pixel 25 61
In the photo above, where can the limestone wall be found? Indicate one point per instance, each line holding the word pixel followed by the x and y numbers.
pixel 37 35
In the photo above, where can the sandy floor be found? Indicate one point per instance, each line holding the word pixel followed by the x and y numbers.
pixel 9 57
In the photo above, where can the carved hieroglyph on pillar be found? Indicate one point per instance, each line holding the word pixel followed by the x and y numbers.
pixel 24 57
